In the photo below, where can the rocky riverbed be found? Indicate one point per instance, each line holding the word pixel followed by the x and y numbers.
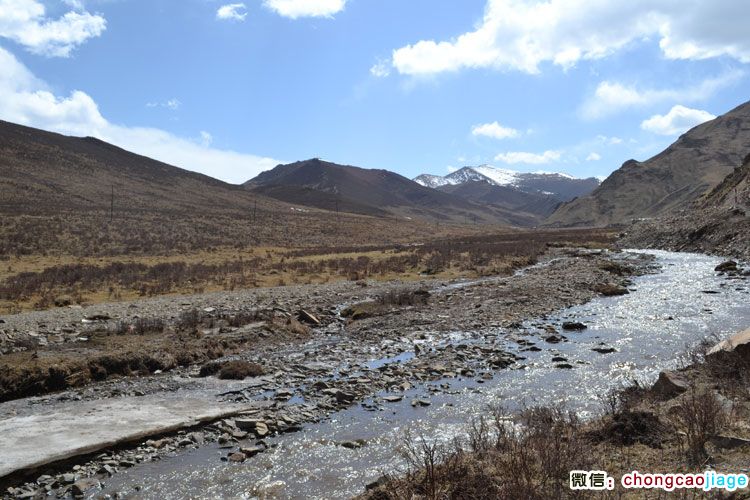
pixel 322 349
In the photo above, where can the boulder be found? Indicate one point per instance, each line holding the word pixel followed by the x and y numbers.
pixel 573 325
pixel 739 343
pixel 669 385
pixel 610 289
pixel 81 486
pixel 237 457
pixel 344 397
pixel 353 445
pixel 604 350
pixel 251 451
pixel 724 267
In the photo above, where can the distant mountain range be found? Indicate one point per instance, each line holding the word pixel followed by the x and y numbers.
pixel 672 180
pixel 561 186
pixel 46 173
pixel 331 186
pixel 539 193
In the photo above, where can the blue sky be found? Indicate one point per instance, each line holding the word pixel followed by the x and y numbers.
pixel 231 88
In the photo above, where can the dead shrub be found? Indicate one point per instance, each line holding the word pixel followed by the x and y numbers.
pixel 239 369
pixel 702 416
pixel 231 370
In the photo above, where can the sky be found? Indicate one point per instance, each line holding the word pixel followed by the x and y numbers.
pixel 230 89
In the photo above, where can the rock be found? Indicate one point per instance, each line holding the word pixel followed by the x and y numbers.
pixel 503 361
pixel 247 424
pixel 604 350
pixel 739 343
pixel 392 399
pixel 237 457
pixel 729 265
pixel 307 317
pixel 559 359
pixel 98 317
pixel 420 402
pixel 670 384
pixel 564 366
pixel 344 397
pixel 353 445
pixel 107 470
pixel 284 394
pixel 68 478
pixel 261 429
pixel 251 451
pixel 573 325
pixel 729 442
pixel 80 487
pixel 554 339
pixel 320 385
pixel 381 481
pixel 610 289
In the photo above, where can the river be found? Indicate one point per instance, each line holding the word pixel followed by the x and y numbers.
pixel 651 329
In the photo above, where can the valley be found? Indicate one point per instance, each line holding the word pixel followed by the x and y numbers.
pixel 331 331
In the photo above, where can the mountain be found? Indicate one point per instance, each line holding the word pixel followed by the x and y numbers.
pixel 46 173
pixel 559 186
pixel 507 197
pixel 327 185
pixel 718 223
pixel 697 162
pixel 537 193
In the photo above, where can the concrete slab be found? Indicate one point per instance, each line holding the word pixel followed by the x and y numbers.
pixel 79 428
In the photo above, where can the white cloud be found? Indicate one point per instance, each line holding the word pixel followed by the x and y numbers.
pixel 494 130
pixel 614 140
pixel 528 158
pixel 679 119
pixel 173 104
pixel 24 22
pixel 28 101
pixel 612 97
pixel 232 12
pixel 593 156
pixel 523 34
pixel 381 69
pixel 305 8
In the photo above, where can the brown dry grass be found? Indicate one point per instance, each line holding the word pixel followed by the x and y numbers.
pixel 41 282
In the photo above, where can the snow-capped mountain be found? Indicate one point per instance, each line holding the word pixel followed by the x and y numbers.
pixel 560 186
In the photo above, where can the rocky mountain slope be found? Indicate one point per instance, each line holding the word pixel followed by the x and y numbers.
pixel 697 162
pixel 331 186
pixel 717 223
